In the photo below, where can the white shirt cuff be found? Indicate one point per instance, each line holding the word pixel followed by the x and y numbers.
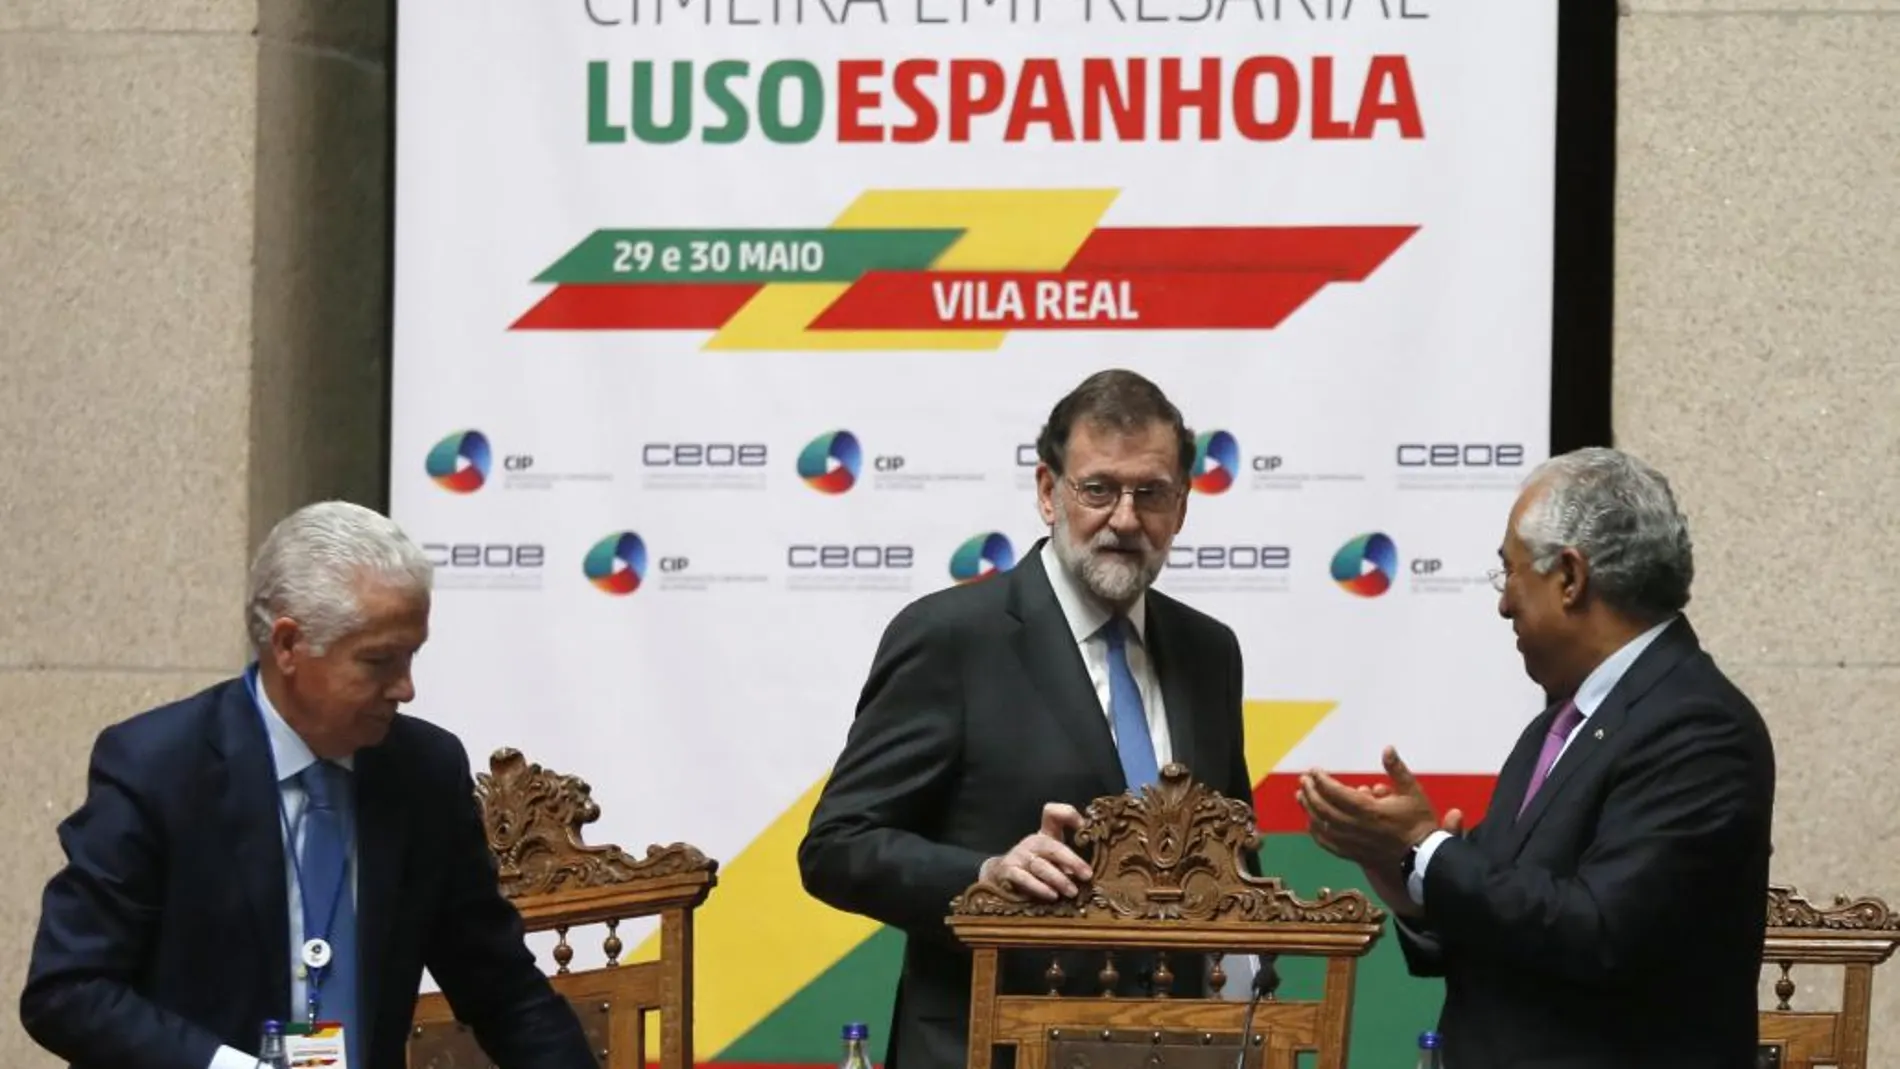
pixel 1415 883
pixel 226 1058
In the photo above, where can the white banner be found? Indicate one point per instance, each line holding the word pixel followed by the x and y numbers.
pixel 723 326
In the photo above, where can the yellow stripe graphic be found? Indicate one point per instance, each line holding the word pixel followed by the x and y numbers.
pixel 1005 230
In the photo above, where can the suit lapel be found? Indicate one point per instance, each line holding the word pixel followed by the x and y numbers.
pixel 382 827
pixel 1173 668
pixel 1053 662
pixel 1671 648
pixel 245 784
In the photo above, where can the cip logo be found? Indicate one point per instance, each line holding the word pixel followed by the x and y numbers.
pixel 1366 565
pixel 1216 458
pixel 830 462
pixel 460 462
pixel 617 563
pixel 981 557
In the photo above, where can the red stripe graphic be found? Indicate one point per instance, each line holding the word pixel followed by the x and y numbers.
pixel 638 306
pixel 1277 812
pixel 1104 300
pixel 1130 278
pixel 1342 253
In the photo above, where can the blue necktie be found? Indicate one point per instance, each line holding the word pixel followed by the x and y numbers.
pixel 1137 748
pixel 329 908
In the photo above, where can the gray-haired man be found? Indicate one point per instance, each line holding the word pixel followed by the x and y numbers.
pixel 1608 912
pixel 286 845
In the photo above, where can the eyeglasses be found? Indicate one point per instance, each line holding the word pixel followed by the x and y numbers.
pixel 1498 576
pixel 1107 494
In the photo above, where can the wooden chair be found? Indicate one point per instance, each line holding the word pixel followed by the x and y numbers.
pixel 1855 935
pixel 534 819
pixel 1169 876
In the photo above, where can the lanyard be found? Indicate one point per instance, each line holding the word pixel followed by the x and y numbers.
pixel 316 972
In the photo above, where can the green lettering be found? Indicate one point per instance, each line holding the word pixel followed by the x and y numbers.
pixel 600 131
pixel 811 98
pixel 681 120
pixel 719 94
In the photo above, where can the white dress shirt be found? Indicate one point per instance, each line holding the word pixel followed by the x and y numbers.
pixel 1086 617
pixel 1596 687
pixel 291 755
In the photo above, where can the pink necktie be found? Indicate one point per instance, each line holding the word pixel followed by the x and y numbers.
pixel 1566 722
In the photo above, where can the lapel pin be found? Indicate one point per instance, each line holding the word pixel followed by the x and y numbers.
pixel 1599 734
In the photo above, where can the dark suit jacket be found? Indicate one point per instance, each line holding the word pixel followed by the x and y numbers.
pixel 978 710
pixel 167 932
pixel 1618 924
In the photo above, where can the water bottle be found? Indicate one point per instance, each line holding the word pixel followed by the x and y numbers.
pixel 854 1057
pixel 270 1050
pixel 1429 1056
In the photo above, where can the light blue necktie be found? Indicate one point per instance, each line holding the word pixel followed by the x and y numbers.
pixel 329 908
pixel 1137 748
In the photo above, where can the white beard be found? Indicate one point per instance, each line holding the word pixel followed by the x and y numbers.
pixel 1112 578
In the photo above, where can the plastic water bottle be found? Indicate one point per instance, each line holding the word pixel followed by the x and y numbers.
pixel 270 1050
pixel 1429 1056
pixel 854 1057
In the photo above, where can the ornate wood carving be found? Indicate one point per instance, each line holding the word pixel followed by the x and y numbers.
pixel 1174 852
pixel 534 819
pixel 1788 909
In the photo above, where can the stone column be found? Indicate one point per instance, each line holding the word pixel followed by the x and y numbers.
pixel 1758 307
pixel 194 205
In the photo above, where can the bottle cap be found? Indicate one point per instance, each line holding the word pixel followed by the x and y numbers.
pixel 857 1030
pixel 273 1028
pixel 1428 1041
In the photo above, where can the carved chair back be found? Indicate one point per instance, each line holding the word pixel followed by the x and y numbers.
pixel 1854 935
pixel 1172 889
pixel 558 882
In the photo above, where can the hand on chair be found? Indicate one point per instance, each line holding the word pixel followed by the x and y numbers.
pixel 1041 866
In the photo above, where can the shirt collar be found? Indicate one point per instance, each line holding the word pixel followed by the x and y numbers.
pixel 288 752
pixel 1085 614
pixel 1598 684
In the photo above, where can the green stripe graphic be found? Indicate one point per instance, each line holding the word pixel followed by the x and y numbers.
pixel 609 256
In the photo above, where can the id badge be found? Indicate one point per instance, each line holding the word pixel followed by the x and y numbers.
pixel 320 1047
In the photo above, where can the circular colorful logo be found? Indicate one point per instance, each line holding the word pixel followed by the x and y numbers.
pixel 1365 566
pixel 617 563
pixel 981 557
pixel 830 462
pixel 1216 458
pixel 459 463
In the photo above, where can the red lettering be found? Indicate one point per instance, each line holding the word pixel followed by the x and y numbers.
pixel 904 82
pixel 1177 98
pixel 1125 99
pixel 1286 98
pixel 1039 98
pixel 964 101
pixel 1325 126
pixel 854 99
pixel 1402 108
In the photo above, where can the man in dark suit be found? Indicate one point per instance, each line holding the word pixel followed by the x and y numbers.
pixel 1608 912
pixel 286 846
pixel 995 711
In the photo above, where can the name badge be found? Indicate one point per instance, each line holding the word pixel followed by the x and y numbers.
pixel 318 1047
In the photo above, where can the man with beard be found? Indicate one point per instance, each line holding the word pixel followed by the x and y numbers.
pixel 994 712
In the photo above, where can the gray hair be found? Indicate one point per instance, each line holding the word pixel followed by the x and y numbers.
pixel 309 565
pixel 1620 514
